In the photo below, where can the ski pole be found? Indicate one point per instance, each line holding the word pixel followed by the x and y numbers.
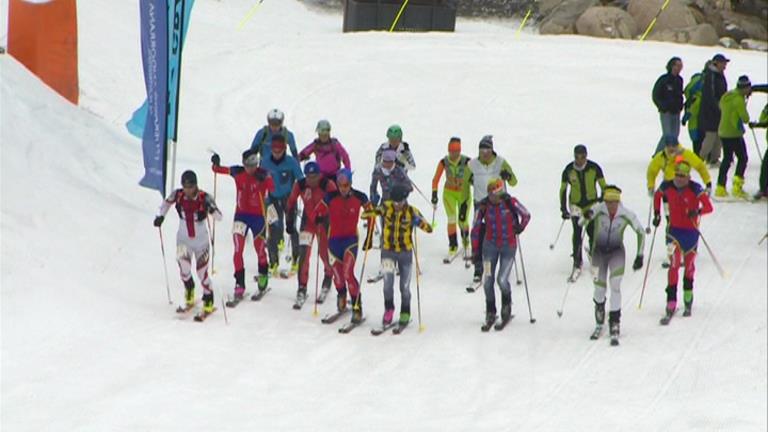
pixel 434 210
pixel 557 237
pixel 562 304
pixel 648 224
pixel 763 239
pixel 421 193
pixel 517 276
pixel 165 266
pixel 653 21
pixel 418 272
pixel 317 270
pixel 711 254
pixel 223 306
pixel 757 146
pixel 367 247
pixel 525 279
pixel 213 230
pixel 647 267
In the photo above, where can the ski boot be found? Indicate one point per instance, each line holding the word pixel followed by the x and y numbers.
pixel 405 318
pixel 478 276
pixel 720 191
pixel 506 312
pixel 599 312
pixel 263 281
pixel 208 302
pixel 490 320
pixel 357 311
pixel 189 292
pixel 239 285
pixel 274 269
pixel 341 300
pixel 687 296
pixel 738 185
pixel 301 295
pixel 388 316
pixel 239 292
pixel 614 317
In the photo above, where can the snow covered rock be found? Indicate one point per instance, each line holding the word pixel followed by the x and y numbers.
pixel 562 19
pixel 753 44
pixel 700 34
pixel 728 42
pixel 607 22
pixel 676 16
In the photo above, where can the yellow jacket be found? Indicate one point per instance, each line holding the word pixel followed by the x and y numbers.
pixel 663 162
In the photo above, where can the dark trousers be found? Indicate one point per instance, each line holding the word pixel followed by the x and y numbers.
pixel 577 239
pixel 731 146
pixel 276 233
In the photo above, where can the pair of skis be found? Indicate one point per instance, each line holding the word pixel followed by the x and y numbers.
pixel 395 326
pixel 497 324
pixel 257 296
pixel 199 317
pixel 303 299
pixel 346 328
pixel 599 331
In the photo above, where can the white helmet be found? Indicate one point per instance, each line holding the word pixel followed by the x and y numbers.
pixel 275 116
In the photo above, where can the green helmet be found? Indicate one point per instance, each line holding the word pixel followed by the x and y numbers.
pixel 395 132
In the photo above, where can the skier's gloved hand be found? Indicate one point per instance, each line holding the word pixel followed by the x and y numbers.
pixel 200 215
pixel 158 221
pixel 686 117
pixel 693 213
pixel 650 192
pixel 752 124
pixel 463 212
pixel 375 200
pixel 505 175
pixel 215 159
pixel 518 229
pixel 638 264
pixel 708 189
pixel 588 213
pixel 434 197
pixel 656 219
pixel 564 214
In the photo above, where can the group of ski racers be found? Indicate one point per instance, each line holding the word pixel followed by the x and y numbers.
pixel 273 191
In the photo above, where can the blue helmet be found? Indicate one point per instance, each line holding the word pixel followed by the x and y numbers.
pixel 311 168
pixel 344 173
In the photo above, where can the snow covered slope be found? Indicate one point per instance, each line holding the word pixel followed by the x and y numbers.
pixel 90 344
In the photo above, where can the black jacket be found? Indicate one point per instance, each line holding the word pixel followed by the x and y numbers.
pixel 668 93
pixel 713 88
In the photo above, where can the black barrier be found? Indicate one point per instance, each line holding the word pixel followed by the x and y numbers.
pixel 419 15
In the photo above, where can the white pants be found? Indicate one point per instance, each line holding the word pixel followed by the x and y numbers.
pixel 195 247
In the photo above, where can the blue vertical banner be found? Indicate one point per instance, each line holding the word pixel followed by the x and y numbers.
pixel 178 21
pixel 154 53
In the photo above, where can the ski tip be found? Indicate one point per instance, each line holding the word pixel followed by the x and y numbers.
pixel 533 320
pixel 559 314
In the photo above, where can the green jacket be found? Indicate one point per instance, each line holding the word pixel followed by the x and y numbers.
pixel 583 185
pixel 733 109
